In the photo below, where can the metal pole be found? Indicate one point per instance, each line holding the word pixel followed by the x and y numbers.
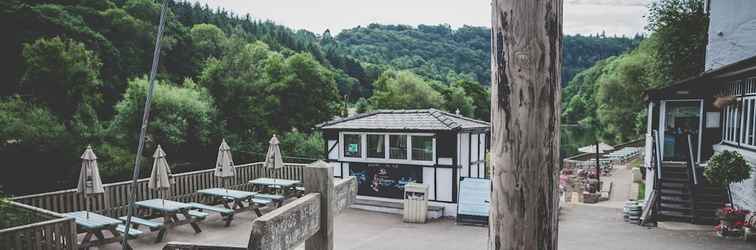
pixel 598 169
pixel 145 121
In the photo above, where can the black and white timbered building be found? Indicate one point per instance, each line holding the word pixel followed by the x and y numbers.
pixel 386 149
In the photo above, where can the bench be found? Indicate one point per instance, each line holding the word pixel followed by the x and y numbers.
pixel 228 214
pixel 198 215
pixel 152 225
pixel 279 199
pixel 133 232
pixel 136 221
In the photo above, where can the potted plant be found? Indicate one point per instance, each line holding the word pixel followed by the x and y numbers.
pixel 725 168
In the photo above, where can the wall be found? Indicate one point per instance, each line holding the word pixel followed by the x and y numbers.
pixel 744 193
pixel 732 32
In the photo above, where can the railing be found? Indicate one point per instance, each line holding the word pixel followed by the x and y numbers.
pixel 692 180
pixel 54 231
pixel 114 201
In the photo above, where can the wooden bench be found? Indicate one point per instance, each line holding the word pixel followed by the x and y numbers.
pixel 152 225
pixel 198 215
pixel 133 232
pixel 278 199
pixel 228 214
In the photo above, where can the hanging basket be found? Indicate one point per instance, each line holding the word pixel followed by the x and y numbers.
pixel 722 101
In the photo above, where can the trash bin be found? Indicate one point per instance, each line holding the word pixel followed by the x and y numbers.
pixel 415 202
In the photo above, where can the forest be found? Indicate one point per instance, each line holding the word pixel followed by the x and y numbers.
pixel 608 97
pixel 75 75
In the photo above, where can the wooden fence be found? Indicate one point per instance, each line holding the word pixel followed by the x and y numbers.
pixel 114 201
pixel 54 231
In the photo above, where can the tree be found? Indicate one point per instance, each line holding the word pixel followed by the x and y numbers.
pixel 298 144
pixel 404 90
pixel 682 29
pixel 208 41
pixel 455 99
pixel 182 119
pixel 62 74
pixel 525 106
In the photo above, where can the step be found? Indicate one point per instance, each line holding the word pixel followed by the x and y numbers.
pixel 675 180
pixel 675 192
pixel 674 185
pixel 676 214
pixel 675 207
pixel 675 199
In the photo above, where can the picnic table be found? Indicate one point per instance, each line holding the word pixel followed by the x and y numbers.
pixel 94 225
pixel 233 199
pixel 169 211
pixel 287 186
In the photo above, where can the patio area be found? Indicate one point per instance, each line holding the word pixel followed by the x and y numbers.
pixel 582 227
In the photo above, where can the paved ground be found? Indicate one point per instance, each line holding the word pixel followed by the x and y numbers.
pixel 582 227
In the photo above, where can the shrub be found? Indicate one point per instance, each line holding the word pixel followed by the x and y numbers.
pixel 727 167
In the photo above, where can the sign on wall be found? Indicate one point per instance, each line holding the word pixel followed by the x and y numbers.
pixel 712 119
pixel 384 180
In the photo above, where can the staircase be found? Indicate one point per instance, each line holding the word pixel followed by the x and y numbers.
pixel 679 202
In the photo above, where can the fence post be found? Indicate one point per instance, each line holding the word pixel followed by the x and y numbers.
pixel 318 178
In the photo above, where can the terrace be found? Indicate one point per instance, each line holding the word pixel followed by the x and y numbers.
pixel 52 230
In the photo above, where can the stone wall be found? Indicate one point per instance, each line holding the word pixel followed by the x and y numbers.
pixel 288 226
pixel 732 32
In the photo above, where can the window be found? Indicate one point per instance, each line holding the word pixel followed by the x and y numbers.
pixel 739 121
pixel 398 147
pixel 376 147
pixel 422 148
pixel 352 145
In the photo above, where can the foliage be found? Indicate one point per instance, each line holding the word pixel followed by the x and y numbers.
pixel 182 119
pixel 682 28
pixel 62 74
pixel 362 106
pixel 727 167
pixel 23 123
pixel 13 216
pixel 298 144
pixel 441 53
pixel 404 90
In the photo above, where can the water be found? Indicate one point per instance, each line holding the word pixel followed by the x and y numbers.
pixel 572 138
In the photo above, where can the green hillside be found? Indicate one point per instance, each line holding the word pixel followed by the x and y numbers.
pixel 441 53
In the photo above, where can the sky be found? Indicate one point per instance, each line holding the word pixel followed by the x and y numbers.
pixel 615 17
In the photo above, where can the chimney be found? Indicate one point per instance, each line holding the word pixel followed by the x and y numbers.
pixel 457 112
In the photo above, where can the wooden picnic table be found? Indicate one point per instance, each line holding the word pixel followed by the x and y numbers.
pixel 232 199
pixel 169 211
pixel 94 225
pixel 287 186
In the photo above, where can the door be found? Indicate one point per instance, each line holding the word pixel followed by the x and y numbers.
pixel 680 118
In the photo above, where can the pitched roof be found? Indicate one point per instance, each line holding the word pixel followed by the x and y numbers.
pixel 409 119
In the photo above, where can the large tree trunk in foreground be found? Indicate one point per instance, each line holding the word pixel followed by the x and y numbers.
pixel 525 105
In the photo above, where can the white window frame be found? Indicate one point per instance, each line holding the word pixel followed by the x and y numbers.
pixel 385 146
pixel 386 159
pixel 736 128
pixel 342 146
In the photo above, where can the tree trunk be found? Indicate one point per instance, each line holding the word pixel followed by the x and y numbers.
pixel 525 106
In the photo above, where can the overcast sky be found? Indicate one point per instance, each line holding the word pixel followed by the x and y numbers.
pixel 580 16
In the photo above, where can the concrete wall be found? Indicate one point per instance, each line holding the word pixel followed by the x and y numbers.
pixel 744 193
pixel 732 32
